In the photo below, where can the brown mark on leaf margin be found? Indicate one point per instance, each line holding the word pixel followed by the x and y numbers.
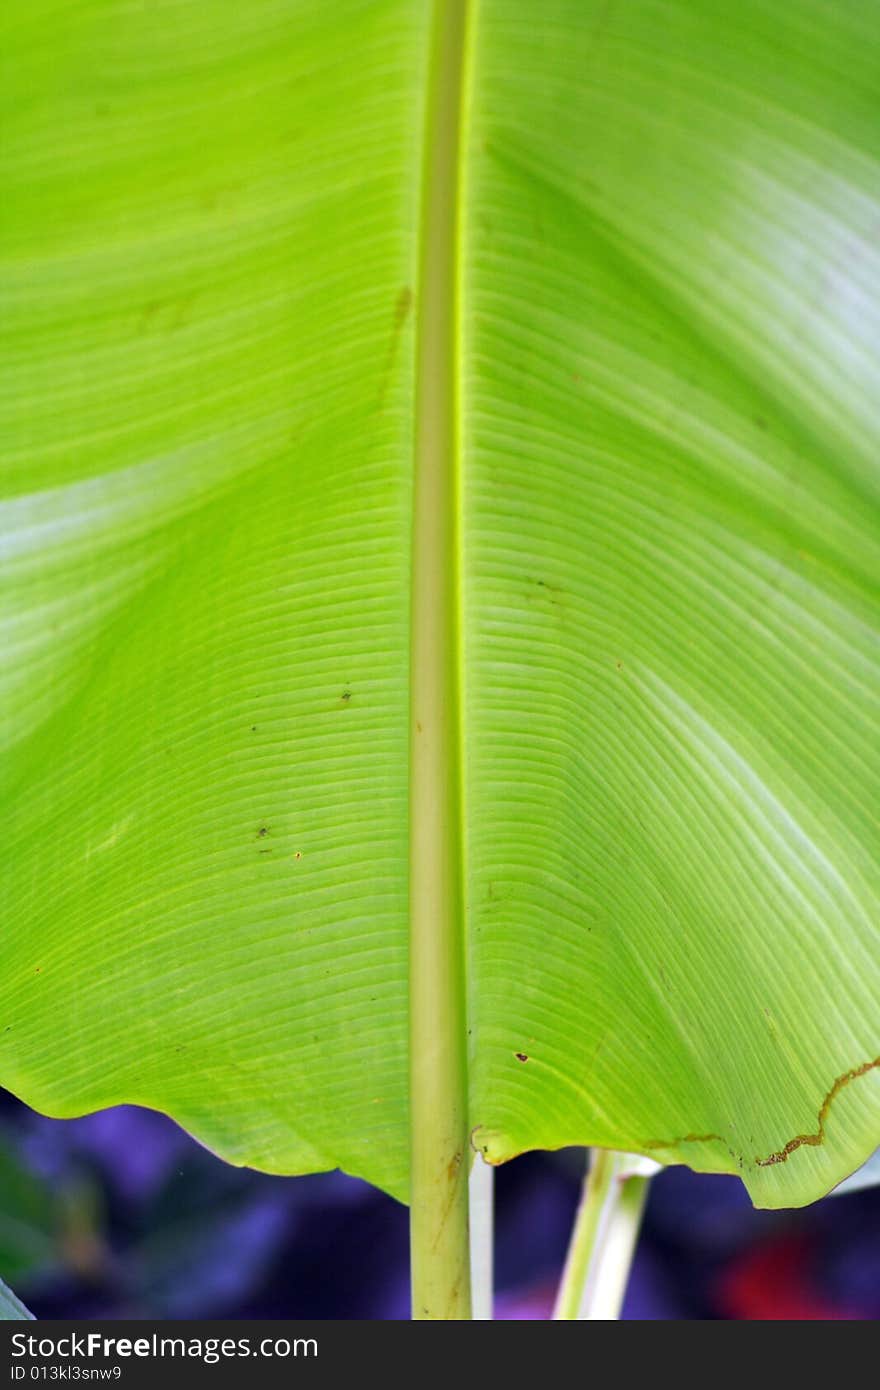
pixel 814 1140
pixel 682 1139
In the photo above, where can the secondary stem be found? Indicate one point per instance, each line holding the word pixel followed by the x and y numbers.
pixel 604 1294
pixel 604 1239
pixel 596 1189
pixel 439 1148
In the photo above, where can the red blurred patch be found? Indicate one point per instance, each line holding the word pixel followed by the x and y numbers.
pixel 776 1282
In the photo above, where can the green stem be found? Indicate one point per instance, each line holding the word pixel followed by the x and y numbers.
pixel 597 1187
pixel 438 1059
pixel 604 1238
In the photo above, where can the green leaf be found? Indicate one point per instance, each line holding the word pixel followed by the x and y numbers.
pixel 662 389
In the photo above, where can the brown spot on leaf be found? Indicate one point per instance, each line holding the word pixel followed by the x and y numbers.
pixel 402 307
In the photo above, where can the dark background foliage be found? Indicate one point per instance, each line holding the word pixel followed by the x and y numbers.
pixel 122 1215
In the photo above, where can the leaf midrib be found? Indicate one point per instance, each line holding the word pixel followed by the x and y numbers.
pixel 437 1038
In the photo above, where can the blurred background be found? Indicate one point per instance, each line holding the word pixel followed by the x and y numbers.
pixel 122 1215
